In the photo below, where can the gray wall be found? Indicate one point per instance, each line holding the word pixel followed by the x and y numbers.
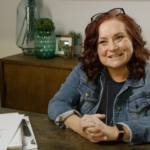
pixel 68 15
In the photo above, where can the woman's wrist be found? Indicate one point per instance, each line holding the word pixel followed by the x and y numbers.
pixel 72 122
pixel 126 133
pixel 113 136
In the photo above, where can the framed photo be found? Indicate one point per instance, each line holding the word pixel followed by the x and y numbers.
pixel 62 41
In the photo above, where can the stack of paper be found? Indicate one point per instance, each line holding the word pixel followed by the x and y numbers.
pixel 16 133
pixel 16 142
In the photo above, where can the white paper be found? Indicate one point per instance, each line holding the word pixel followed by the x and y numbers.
pixel 29 142
pixel 16 142
pixel 9 124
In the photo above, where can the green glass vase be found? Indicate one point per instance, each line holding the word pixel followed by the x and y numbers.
pixel 45 44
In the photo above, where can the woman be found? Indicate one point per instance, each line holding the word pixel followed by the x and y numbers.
pixel 110 85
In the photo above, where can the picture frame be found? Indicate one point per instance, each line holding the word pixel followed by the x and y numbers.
pixel 62 40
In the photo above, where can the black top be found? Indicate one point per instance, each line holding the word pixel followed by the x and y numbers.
pixel 113 89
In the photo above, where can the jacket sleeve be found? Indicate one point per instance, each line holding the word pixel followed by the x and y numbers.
pixel 61 105
pixel 140 129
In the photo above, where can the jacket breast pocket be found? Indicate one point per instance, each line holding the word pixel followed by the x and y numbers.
pixel 88 99
pixel 137 105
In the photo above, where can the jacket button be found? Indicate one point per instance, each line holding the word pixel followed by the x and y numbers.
pixel 87 94
pixel 118 108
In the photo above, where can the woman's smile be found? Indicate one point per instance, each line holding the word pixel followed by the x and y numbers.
pixel 114 56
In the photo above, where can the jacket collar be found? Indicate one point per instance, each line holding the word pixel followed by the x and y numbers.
pixel 129 82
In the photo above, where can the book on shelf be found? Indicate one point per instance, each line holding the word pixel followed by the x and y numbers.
pixel 16 133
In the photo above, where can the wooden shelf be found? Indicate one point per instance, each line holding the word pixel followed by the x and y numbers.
pixel 28 83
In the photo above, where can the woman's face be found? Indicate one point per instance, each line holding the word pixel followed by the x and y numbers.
pixel 114 44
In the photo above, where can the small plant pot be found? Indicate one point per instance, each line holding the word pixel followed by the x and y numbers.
pixel 45 44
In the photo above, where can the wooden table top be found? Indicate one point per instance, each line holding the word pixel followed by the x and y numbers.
pixel 56 62
pixel 51 137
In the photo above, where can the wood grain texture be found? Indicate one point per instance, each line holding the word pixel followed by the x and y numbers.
pixel 56 62
pixel 28 83
pixel 51 137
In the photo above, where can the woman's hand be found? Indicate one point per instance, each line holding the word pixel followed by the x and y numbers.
pixel 95 130
pixel 83 126
pixel 92 128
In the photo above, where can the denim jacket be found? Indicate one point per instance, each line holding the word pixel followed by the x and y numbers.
pixel 131 106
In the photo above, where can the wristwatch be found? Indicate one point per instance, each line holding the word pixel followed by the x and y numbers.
pixel 121 132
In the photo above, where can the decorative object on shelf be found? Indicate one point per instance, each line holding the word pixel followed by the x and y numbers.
pixel 27 16
pixel 45 40
pixel 61 42
pixel 67 51
pixel 77 41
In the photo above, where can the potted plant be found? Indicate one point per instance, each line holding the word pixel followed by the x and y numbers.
pixel 45 43
pixel 77 39
pixel 45 26
pixel 75 34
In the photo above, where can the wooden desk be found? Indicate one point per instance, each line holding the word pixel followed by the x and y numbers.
pixel 28 83
pixel 51 137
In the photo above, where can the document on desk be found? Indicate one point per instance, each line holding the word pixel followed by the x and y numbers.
pixel 16 142
pixel 9 124
pixel 29 141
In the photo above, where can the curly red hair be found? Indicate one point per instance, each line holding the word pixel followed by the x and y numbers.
pixel 91 64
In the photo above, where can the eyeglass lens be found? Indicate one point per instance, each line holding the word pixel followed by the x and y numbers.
pixel 114 12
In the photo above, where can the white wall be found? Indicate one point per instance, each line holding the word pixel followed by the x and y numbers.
pixel 69 14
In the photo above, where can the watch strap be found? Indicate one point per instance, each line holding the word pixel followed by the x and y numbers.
pixel 121 132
